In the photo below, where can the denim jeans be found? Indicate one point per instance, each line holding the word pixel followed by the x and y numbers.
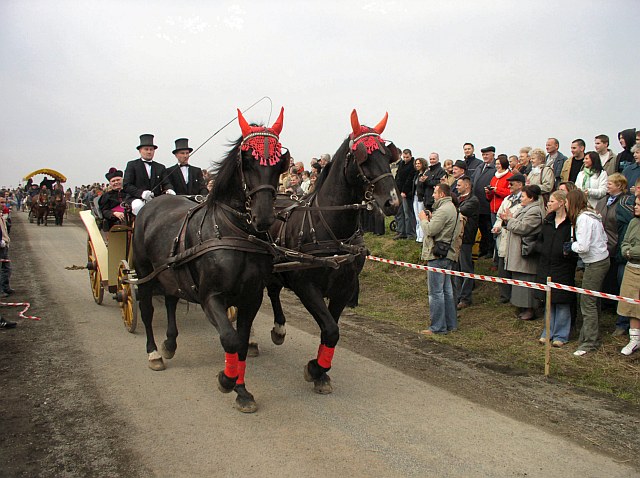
pixel 560 323
pixel 442 305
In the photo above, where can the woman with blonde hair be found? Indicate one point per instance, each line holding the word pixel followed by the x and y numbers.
pixel 554 262
pixel 448 167
pixel 616 210
pixel 541 174
pixel 590 243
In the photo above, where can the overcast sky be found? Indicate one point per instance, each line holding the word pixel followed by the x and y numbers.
pixel 81 80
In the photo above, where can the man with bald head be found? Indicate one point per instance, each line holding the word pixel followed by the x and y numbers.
pixel 555 159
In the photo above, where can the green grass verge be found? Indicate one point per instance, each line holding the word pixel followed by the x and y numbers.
pixel 399 295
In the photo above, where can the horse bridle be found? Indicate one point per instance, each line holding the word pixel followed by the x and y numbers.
pixel 368 183
pixel 245 188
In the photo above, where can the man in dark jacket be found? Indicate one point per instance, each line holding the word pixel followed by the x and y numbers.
pixel 555 159
pixel 627 139
pixel 470 159
pixel 405 219
pixel 145 178
pixel 433 176
pixel 481 181
pixel 187 179
pixel 469 207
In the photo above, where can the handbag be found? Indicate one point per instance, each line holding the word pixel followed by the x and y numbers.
pixel 528 245
pixel 440 249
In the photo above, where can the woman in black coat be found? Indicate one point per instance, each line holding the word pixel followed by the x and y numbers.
pixel 554 263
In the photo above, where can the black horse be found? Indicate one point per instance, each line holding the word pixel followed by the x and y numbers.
pixel 40 207
pixel 211 254
pixel 326 224
pixel 59 206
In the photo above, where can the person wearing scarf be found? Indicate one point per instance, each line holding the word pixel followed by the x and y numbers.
pixel 592 180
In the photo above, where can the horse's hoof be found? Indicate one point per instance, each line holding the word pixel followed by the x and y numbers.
pixel 155 361
pixel 276 338
pixel 157 364
pixel 226 384
pixel 323 385
pixel 253 350
pixel 245 402
pixel 168 354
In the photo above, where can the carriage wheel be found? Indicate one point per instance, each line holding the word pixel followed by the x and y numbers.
pixel 127 297
pixel 95 278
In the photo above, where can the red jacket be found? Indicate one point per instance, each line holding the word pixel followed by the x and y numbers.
pixel 501 191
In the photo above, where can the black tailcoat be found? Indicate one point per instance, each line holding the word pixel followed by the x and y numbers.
pixel 196 183
pixel 136 180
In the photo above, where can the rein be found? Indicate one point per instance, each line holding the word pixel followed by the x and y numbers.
pixel 353 244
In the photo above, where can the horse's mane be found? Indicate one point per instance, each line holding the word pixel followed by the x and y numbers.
pixel 339 157
pixel 225 181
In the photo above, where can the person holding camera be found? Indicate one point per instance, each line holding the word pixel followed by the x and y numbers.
pixel 441 246
pixel 557 262
pixel 591 245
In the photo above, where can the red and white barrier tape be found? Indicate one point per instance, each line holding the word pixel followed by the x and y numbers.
pixel 500 280
pixel 21 313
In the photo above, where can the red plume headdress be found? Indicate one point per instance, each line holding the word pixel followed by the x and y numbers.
pixel 263 141
pixel 370 137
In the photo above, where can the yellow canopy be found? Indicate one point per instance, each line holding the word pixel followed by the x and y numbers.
pixel 49 172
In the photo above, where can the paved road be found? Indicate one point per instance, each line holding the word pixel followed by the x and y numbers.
pixel 378 422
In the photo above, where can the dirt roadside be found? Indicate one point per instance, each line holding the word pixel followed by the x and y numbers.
pixel 53 421
pixel 56 424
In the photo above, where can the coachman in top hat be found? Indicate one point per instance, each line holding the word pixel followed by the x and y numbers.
pixel 145 178
pixel 187 179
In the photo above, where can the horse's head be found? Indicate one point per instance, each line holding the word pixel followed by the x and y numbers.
pixel 261 163
pixel 369 159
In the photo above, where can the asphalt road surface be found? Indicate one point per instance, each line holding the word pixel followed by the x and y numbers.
pixel 102 412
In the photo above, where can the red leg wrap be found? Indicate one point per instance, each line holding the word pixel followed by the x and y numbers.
pixel 231 365
pixel 242 365
pixel 325 356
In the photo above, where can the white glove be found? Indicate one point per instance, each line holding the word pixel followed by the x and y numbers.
pixel 170 191
pixel 3 243
pixel 147 195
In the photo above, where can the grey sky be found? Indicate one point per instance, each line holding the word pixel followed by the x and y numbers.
pixel 81 80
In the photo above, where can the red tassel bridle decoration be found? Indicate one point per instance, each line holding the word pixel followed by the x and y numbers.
pixel 264 142
pixel 369 137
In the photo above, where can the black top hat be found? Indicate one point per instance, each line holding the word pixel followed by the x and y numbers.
pixel 182 143
pixel 460 164
pixel 146 140
pixel 518 177
pixel 488 149
pixel 113 173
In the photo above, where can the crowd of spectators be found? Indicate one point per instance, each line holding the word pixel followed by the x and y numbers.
pixel 538 214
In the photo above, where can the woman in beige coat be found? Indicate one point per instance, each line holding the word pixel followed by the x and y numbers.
pixel 525 223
